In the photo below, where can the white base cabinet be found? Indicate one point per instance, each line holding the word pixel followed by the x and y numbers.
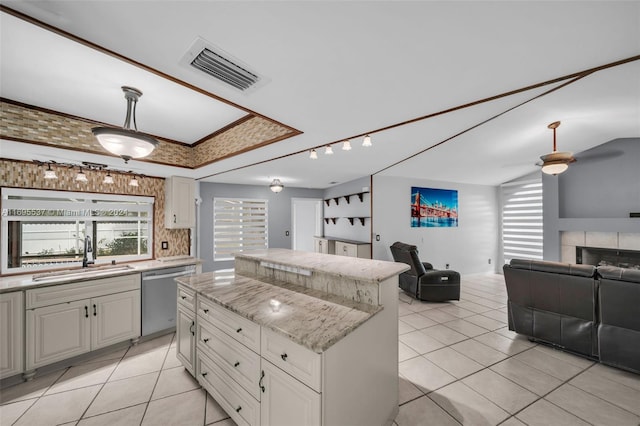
pixel 11 333
pixel 71 319
pixel 186 328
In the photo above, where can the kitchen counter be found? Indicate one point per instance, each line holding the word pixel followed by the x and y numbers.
pixel 20 282
pixel 309 317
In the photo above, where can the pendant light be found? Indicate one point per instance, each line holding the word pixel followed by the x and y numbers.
pixel 366 141
pixel 276 186
pixel 346 145
pixel 133 181
pixel 328 150
pixel 108 179
pixel 81 177
pixel 313 155
pixel 556 162
pixel 50 174
pixel 126 142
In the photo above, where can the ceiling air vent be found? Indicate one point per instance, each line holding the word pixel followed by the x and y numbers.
pixel 220 65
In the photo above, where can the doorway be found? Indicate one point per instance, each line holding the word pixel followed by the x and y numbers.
pixel 306 217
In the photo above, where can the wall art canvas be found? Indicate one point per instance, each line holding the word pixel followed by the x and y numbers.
pixel 433 208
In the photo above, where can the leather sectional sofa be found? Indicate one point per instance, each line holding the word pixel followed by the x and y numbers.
pixel 594 312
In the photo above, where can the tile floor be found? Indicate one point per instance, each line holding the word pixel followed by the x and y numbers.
pixel 459 364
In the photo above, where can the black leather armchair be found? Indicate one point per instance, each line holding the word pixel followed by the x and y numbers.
pixel 422 281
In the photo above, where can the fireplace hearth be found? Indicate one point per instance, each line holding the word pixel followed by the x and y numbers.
pixel 597 256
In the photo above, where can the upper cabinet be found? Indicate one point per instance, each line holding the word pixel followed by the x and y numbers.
pixel 179 211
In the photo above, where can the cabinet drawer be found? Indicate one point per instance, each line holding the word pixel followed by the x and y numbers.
pixel 64 293
pixel 187 297
pixel 241 329
pixel 242 408
pixel 241 364
pixel 300 362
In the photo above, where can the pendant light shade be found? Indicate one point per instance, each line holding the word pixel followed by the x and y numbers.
pixel 81 177
pixel 133 181
pixel 50 174
pixel 328 150
pixel 108 179
pixel 313 155
pixel 276 186
pixel 126 142
pixel 366 141
pixel 556 162
pixel 346 146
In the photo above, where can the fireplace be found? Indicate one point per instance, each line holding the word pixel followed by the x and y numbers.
pixel 597 256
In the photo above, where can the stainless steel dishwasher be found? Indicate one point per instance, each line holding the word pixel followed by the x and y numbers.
pixel 159 294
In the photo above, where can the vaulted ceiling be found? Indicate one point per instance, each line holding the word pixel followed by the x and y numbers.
pixel 450 91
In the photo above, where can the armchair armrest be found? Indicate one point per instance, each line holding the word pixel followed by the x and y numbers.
pixel 427 265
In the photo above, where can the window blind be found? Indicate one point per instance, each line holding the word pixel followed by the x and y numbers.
pixel 522 220
pixel 239 225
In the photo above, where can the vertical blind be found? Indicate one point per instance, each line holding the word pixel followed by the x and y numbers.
pixel 238 225
pixel 522 220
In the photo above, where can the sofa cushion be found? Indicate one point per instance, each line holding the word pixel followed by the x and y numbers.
pixel 619 274
pixel 554 267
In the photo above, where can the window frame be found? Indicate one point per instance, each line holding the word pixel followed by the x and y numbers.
pixel 87 208
pixel 225 255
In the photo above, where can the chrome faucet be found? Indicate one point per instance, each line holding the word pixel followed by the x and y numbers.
pixel 87 258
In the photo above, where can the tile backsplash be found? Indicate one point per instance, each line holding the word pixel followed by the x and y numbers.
pixel 21 174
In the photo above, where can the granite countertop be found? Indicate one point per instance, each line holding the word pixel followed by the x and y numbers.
pixel 374 271
pixel 311 318
pixel 20 282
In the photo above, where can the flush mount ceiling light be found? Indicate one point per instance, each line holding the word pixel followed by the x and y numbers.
pixel 313 155
pixel 276 186
pixel 126 142
pixel 366 141
pixel 328 150
pixel 556 162
pixel 346 145
pixel 50 174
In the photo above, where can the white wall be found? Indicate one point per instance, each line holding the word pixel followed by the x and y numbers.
pixel 355 208
pixel 465 248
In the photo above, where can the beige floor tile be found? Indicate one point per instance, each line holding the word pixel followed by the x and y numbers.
pixel 489 303
pixel 423 411
pixel 565 356
pixel 174 381
pixel 418 321
pixel 504 344
pixel 419 306
pixel 466 328
pixel 526 376
pixel 84 375
pixel 438 316
pixel 171 361
pixel 497 315
pixel 161 342
pixel 127 416
pixel 590 408
pixel 403 309
pixel 485 322
pixel 453 362
pixel 509 334
pixel 407 391
pixel 404 328
pixel 420 342
pixel 548 364
pixel 502 392
pixel 478 352
pixel 424 374
pixel 59 408
pixel 619 376
pixel 444 334
pixel 467 406
pixel 617 394
pixel 31 389
pixel 111 355
pixel 544 413
pixel 123 393
pixel 214 412
pixel 184 409
pixel 9 413
pixel 457 311
pixel 512 421
pixel 140 363
pixel 405 352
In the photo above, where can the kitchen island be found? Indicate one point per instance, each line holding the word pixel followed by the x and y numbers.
pixel 295 338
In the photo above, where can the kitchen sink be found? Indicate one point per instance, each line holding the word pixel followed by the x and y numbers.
pixel 79 272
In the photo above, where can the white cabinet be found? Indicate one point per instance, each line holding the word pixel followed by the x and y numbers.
pixel 66 320
pixel 186 328
pixel 361 250
pixel 179 211
pixel 11 333
pixel 286 401
pixel 324 245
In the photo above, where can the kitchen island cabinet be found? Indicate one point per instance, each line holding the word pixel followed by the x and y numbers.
pixel 11 333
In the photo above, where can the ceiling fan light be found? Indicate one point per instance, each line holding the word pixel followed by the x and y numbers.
pixel 554 167
pixel 346 146
pixel 366 141
pixel 276 186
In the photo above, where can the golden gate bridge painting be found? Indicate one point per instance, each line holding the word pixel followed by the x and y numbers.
pixel 433 207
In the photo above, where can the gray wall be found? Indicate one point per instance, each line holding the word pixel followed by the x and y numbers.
pixel 279 215
pixel 465 248
pixel 343 228
pixel 596 193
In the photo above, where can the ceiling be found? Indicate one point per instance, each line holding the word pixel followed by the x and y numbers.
pixel 339 70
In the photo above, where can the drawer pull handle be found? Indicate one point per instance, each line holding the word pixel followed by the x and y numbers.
pixel 206 311
pixel 238 409
pixel 205 340
pixel 204 374
pixel 193 333
pixel 284 356
pixel 236 364
pixel 86 312
pixel 239 330
pixel 260 382
pixel 94 310
pixel 183 297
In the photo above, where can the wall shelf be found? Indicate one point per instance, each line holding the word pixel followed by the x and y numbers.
pixel 347 198
pixel 361 219
pixel 332 219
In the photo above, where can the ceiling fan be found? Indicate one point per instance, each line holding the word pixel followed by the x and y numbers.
pixel 557 161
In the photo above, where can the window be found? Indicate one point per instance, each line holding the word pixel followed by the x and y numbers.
pixel 47 228
pixel 238 225
pixel 522 220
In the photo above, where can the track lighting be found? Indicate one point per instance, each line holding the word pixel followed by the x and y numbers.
pixel 328 150
pixel 133 181
pixel 366 141
pixel 50 174
pixel 81 177
pixel 313 155
pixel 346 145
pixel 108 179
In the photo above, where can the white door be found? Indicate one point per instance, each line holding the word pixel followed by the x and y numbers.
pixel 306 218
pixel 115 318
